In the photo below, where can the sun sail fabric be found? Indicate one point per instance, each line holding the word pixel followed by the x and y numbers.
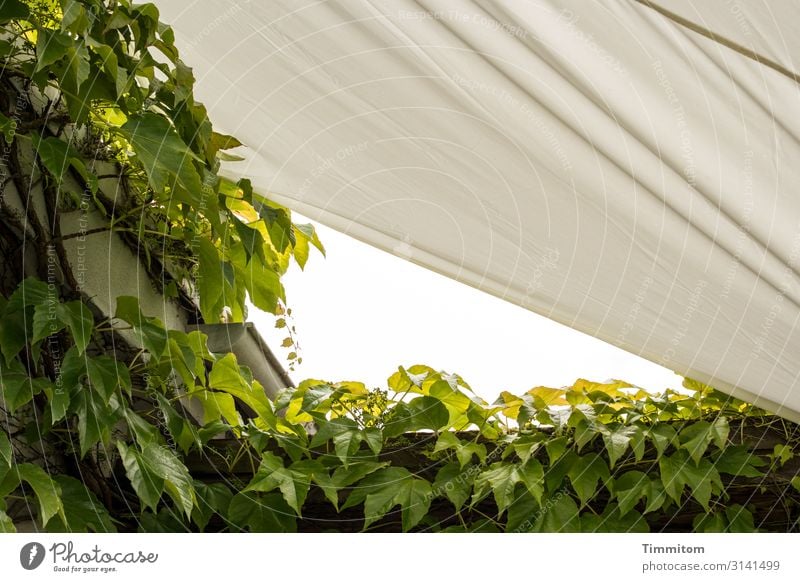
pixel 628 168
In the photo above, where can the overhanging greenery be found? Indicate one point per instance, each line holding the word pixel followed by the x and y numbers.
pixel 98 112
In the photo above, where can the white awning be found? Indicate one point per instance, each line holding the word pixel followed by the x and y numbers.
pixel 630 169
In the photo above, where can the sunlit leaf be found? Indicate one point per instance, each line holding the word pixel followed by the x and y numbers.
pixel 550 396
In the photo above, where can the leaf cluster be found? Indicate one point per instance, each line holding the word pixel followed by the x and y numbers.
pixel 165 435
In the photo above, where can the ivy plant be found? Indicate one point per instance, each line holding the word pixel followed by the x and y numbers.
pixel 118 422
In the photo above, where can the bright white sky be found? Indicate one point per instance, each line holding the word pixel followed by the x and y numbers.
pixel 361 312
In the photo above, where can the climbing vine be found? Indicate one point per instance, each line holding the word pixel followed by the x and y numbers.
pixel 119 422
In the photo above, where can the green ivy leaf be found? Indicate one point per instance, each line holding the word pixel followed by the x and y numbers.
pixel 6 452
pixel 346 444
pixel 146 484
pixel 72 369
pixel 79 319
pixel 345 434
pixel 301 248
pixel 150 330
pixel 8 482
pixel 6 525
pixel 617 441
pixel 555 448
pixel 106 374
pixel 77 67
pixel 314 471
pixel 427 412
pixel 695 438
pixel 529 409
pixel 709 523
pixel 13 333
pixel 584 432
pixel 16 330
pixel 51 46
pixel 141 429
pixel 119 19
pixel 219 141
pixel 559 515
pixel 585 472
pixel 209 280
pixel 250 238
pixel 315 396
pixel 82 509
pixel 309 232
pixel 30 292
pixel 263 284
pixel 638 442
pixel 524 446
pixel 401 381
pixel 212 498
pixel 216 406
pixel 454 483
pixel 179 429
pixel 612 521
pixel 279 224
pixel 532 476
pixel 464 451
pixel 74 16
pixel 164 464
pixel 557 471
pixel 45 322
pixel 656 496
pixel 388 487
pixel 719 432
pixel 166 158
pixel 181 357
pixel 272 474
pixel 678 471
pixel 672 474
pixel 782 453
pixel 95 420
pixel 629 489
pixel 59 402
pixel 17 389
pixel 373 436
pixel 397 421
pixel 662 435
pixel 227 376
pixel 262 513
pixel 415 500
pixel 521 512
pixel 115 73
pixel 212 429
pixel 48 492
pixel 503 478
pixel 740 520
pixel 12 10
pixel 739 462
pixel 346 476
